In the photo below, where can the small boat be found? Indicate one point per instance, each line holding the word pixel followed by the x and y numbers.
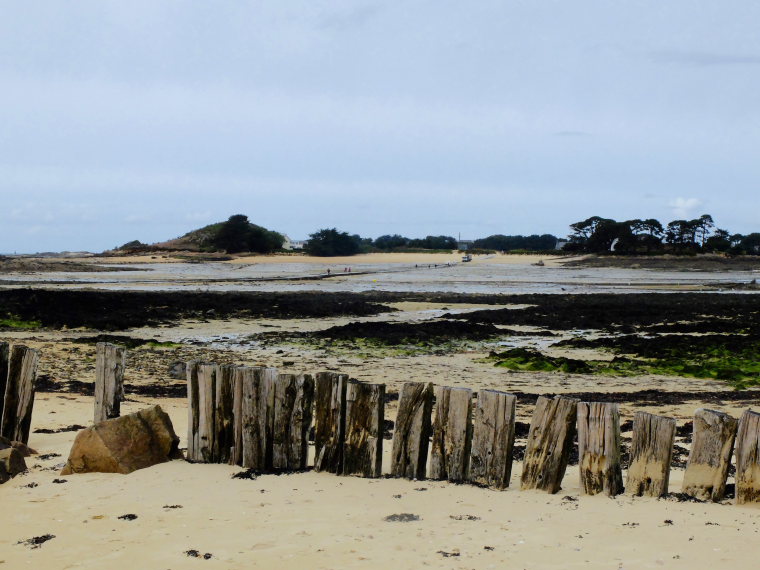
pixel 466 257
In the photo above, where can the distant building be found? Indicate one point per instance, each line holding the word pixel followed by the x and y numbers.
pixel 465 244
pixel 286 242
pixel 297 244
pixel 561 243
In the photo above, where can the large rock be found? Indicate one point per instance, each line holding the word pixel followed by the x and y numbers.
pixel 11 463
pixel 125 444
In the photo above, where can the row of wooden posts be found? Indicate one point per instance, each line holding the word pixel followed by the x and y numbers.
pixel 260 419
pixel 18 373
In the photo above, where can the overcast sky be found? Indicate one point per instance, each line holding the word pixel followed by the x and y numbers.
pixel 146 119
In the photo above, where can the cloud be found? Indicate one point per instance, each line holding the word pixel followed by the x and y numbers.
pixel 703 58
pixel 684 207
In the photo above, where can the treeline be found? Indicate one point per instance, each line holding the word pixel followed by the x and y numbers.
pixel 331 242
pixel 700 235
pixel 592 235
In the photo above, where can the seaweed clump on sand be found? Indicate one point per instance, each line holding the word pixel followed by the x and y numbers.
pixel 731 358
pixel 534 361
pixel 410 333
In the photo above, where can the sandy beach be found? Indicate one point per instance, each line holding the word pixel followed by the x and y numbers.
pixel 324 521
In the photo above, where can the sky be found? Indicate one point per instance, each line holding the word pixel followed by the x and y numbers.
pixel 146 119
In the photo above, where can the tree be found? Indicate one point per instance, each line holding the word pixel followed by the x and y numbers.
pixel 389 242
pixel 330 242
pixel 434 242
pixel 238 234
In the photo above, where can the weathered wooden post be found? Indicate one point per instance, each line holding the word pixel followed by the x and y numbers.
pixel 258 417
pixel 236 454
pixel 550 440
pixel 19 393
pixel 206 407
pixel 110 361
pixel 411 436
pixel 4 355
pixel 493 437
pixel 710 455
pixel 363 445
pixel 193 412
pixel 748 458
pixel 599 448
pixel 329 421
pixel 293 400
pixel 452 434
pixel 223 415
pixel 651 453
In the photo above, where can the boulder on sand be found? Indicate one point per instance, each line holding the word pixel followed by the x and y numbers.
pixel 11 463
pixel 125 444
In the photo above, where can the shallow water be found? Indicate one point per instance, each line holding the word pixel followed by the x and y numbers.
pixel 481 277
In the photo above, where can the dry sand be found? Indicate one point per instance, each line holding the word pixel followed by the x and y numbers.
pixel 311 520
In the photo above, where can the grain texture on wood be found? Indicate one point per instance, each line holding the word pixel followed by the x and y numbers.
pixel 110 361
pixel 193 412
pixel 258 417
pixel 223 414
pixel 329 421
pixel 206 408
pixel 413 428
pixel 651 453
pixel 19 393
pixel 710 456
pixel 550 440
pixel 4 356
pixel 748 458
pixel 293 401
pixel 493 438
pixel 599 448
pixel 236 455
pixel 452 434
pixel 363 445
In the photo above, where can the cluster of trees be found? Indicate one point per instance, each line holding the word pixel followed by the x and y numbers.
pixel 397 242
pixel 700 235
pixel 238 234
pixel 510 243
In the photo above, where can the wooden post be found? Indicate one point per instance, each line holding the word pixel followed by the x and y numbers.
pixel 493 437
pixel 452 434
pixel 223 418
pixel 411 436
pixel 4 355
pixel 710 455
pixel 748 458
pixel 293 400
pixel 550 440
pixel 236 455
pixel 19 393
pixel 206 407
pixel 329 421
pixel 599 448
pixel 651 452
pixel 363 446
pixel 110 361
pixel 193 413
pixel 257 417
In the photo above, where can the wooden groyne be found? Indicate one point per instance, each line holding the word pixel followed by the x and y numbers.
pixel 456 435
pixel 263 420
